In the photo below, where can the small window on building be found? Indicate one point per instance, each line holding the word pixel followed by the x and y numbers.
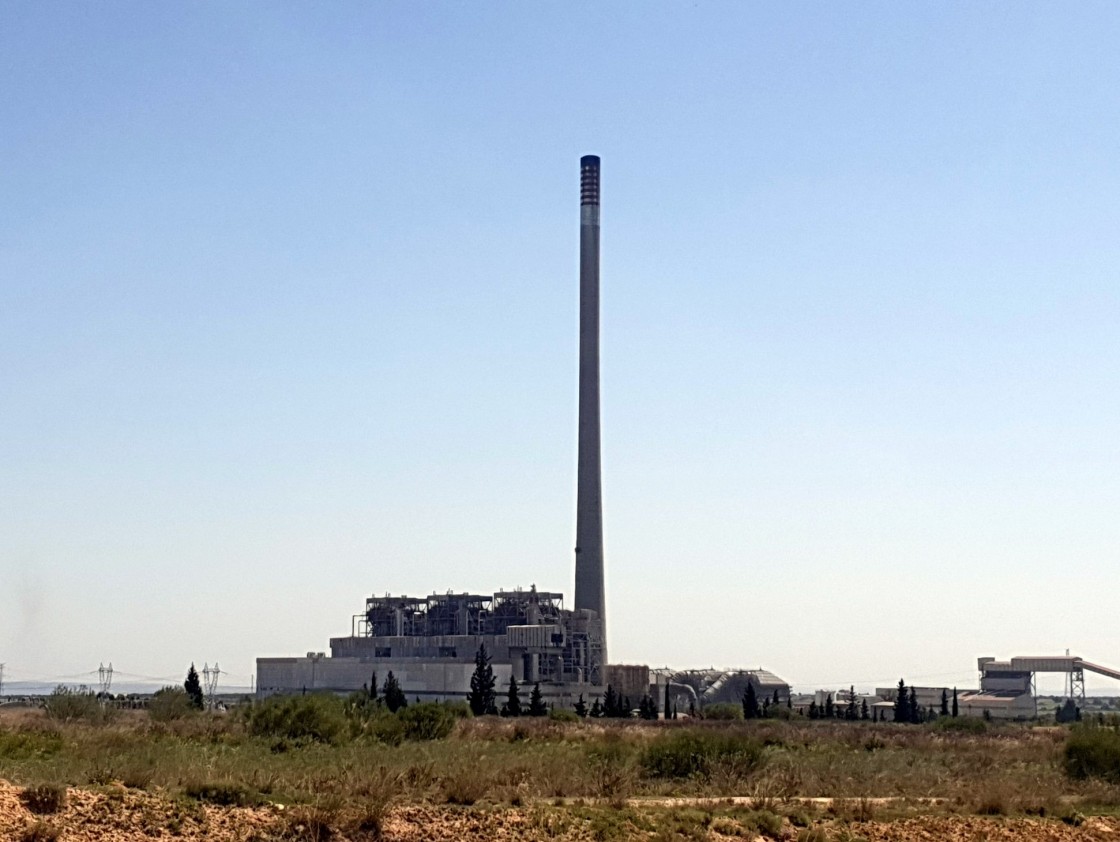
pixel 382 652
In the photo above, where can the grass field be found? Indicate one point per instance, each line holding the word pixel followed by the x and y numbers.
pixel 589 779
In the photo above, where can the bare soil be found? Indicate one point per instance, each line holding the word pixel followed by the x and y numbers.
pixel 116 814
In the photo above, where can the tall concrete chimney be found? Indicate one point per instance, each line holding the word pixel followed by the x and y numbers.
pixel 589 490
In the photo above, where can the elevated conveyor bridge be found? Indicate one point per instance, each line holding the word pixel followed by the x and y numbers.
pixel 997 674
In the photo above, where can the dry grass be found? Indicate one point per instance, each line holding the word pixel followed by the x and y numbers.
pixel 1007 770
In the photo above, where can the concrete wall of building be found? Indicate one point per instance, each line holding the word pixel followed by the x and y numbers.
pixel 429 681
pixel 629 680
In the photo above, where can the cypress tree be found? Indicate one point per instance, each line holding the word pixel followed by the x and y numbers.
pixel 944 702
pixel 596 709
pixel 814 711
pixel 512 706
pixel 537 707
pixel 624 707
pixel 956 710
pixel 766 707
pixel 915 708
pixel 373 687
pixel 863 711
pixel 482 698
pixel 194 688
pixel 394 695
pixel 667 702
pixel 902 703
pixel 581 707
pixel 610 703
pixel 750 702
pixel 829 708
pixel 851 714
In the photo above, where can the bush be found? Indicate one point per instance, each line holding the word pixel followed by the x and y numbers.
pixel 965 724
pixel 68 704
pixel 562 715
pixel 723 711
pixel 314 718
pixel 169 704
pixel 44 798
pixel 1093 753
pixel 40 832
pixel 695 753
pixel 225 794
pixel 426 721
pixel 24 745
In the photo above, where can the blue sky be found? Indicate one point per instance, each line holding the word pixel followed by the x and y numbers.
pixel 288 317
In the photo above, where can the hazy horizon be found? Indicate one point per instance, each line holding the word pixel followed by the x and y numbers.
pixel 288 318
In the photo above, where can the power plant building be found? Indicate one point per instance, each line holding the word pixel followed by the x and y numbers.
pixel 430 642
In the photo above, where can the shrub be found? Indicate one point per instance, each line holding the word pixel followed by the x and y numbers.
pixel 387 729
pixel 224 794
pixel 563 715
pixel 44 798
pixel 966 724
pixel 465 786
pixel 426 721
pixel 24 745
pixel 169 704
pixel 767 823
pixel 40 832
pixel 695 753
pixel 1093 753
pixel 68 704
pixel 314 718
pixel 723 711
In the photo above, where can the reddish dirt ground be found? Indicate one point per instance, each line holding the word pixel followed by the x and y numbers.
pixel 119 815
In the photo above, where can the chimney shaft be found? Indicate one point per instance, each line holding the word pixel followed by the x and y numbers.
pixel 589 497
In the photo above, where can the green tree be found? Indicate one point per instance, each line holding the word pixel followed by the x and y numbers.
pixel 956 710
pixel 1068 712
pixel 916 713
pixel 944 701
pixel 394 695
pixel 750 702
pixel 482 698
pixel 596 709
pixel 580 707
pixel 814 711
pixel 194 688
pixel 537 707
pixel 668 704
pixel 610 703
pixel 902 703
pixel 373 687
pixel 829 708
pixel 852 713
pixel 512 707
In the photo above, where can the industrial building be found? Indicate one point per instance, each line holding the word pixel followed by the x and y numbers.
pixel 429 643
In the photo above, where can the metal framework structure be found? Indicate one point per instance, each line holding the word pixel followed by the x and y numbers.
pixel 450 613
